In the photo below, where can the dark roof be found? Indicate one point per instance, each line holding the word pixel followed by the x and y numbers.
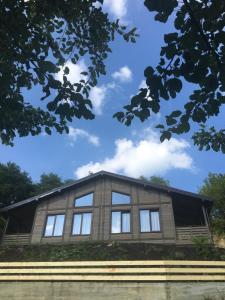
pixel 78 182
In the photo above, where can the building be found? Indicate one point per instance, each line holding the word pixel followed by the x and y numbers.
pixel 105 207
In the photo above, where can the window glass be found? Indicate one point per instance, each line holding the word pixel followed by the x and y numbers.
pixel 59 223
pixel 145 220
pixel 86 200
pixel 118 198
pixel 77 224
pixel 54 225
pixel 86 223
pixel 155 221
pixel 126 222
pixel 116 222
pixel 82 224
pixel 49 226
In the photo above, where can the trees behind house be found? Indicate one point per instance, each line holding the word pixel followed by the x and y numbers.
pixel 156 180
pixel 214 187
pixel 17 185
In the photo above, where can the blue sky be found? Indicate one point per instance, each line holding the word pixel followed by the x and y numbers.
pixel 105 143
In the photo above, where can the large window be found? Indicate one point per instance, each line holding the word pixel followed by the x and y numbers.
pixel 54 225
pixel 86 200
pixel 118 198
pixel 82 224
pixel 149 220
pixel 120 222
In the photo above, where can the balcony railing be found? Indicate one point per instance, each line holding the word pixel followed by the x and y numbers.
pixel 16 239
pixel 188 233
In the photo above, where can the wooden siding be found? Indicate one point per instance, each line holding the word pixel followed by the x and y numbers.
pixel 117 271
pixel 16 239
pixel 188 233
pixel 141 198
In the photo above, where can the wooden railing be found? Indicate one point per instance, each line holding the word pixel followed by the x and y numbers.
pixel 16 239
pixel 186 234
pixel 136 271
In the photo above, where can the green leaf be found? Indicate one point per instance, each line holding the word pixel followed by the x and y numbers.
pixel 166 135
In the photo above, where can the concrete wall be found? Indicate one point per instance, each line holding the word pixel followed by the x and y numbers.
pixel 141 198
pixel 104 290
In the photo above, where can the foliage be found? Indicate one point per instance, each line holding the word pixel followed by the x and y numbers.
pixel 201 246
pixel 156 180
pixel 91 250
pixel 15 185
pixel 48 182
pixel 38 39
pixel 193 53
pixel 214 187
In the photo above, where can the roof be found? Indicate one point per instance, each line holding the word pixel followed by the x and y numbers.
pixel 146 184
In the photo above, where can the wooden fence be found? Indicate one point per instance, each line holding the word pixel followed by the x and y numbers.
pixel 118 271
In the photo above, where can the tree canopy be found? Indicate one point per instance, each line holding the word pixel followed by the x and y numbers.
pixel 15 185
pixel 214 187
pixel 193 53
pixel 156 180
pixel 48 182
pixel 38 39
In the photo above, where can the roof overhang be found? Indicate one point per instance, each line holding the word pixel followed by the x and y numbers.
pixel 146 184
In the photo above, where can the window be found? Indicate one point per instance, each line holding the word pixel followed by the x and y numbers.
pixel 120 221
pixel 118 198
pixel 54 225
pixel 82 224
pixel 149 220
pixel 86 200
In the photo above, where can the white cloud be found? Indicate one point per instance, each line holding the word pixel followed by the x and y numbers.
pixel 124 74
pixel 74 75
pixel 98 96
pixel 146 157
pixel 118 8
pixel 142 85
pixel 75 133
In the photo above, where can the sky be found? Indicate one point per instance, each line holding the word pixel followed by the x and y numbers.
pixel 106 144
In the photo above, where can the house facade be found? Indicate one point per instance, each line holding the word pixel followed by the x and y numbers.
pixel 108 207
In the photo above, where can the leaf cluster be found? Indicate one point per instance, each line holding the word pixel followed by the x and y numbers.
pixel 38 38
pixel 193 53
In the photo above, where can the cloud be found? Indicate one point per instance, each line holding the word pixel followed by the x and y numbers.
pixel 142 85
pixel 75 133
pixel 98 95
pixel 74 75
pixel 124 74
pixel 146 156
pixel 118 8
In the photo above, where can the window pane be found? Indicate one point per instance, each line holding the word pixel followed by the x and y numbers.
pixel 116 219
pixel 76 224
pixel 118 198
pixel 49 226
pixel 126 222
pixel 155 221
pixel 145 222
pixel 59 223
pixel 86 200
pixel 86 223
